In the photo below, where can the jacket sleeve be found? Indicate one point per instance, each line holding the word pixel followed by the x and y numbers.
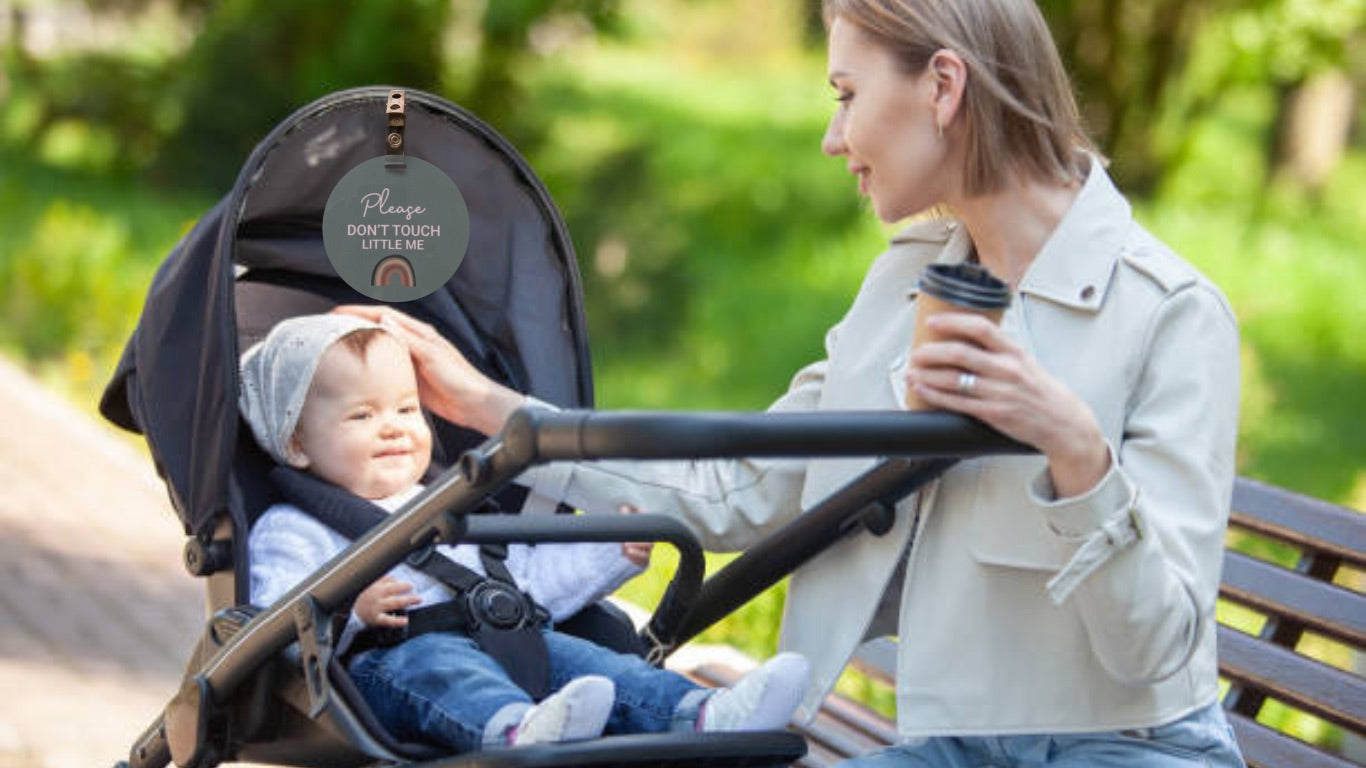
pixel 727 503
pixel 563 578
pixel 1146 544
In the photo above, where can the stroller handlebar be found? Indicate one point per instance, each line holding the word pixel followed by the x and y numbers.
pixel 538 435
pixel 915 447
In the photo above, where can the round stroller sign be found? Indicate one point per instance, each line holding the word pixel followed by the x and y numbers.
pixel 396 230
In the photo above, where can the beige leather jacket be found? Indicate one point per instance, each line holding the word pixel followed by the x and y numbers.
pixel 1019 612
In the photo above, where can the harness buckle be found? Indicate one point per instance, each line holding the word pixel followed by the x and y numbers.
pixel 500 606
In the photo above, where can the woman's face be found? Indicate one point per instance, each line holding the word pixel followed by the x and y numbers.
pixel 885 126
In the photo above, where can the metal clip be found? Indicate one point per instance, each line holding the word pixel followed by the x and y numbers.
pixel 393 140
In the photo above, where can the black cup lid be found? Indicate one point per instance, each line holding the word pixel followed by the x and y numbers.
pixel 968 285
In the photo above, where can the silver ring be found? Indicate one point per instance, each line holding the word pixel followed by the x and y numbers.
pixel 967 382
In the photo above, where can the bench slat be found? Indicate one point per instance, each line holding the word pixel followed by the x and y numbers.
pixel 1300 520
pixel 862 723
pixel 1337 696
pixel 1264 747
pixel 1325 608
pixel 1256 666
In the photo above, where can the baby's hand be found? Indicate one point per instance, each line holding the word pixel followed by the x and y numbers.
pixel 638 552
pixel 377 604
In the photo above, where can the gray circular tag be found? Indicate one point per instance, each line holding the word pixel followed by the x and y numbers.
pixel 396 229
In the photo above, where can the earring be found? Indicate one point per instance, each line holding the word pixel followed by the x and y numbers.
pixel 938 126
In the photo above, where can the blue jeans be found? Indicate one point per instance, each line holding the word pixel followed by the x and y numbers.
pixel 440 687
pixel 1202 738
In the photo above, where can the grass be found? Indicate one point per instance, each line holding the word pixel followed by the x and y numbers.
pixel 79 251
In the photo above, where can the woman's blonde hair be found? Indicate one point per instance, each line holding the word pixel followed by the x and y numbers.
pixel 1018 109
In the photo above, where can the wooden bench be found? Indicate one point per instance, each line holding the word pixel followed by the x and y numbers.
pixel 1296 566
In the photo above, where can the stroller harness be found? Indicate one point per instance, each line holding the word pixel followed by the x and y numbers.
pixel 504 621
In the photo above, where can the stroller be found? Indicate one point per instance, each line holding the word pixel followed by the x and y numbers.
pixel 264 684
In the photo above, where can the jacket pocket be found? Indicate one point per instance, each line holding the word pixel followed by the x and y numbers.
pixel 1006 528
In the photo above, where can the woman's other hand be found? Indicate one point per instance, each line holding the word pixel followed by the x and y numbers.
pixel 638 552
pixel 381 603
pixel 983 373
pixel 448 385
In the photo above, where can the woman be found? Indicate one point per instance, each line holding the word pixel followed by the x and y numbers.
pixel 1054 609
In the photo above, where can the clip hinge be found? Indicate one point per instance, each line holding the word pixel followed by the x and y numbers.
pixel 393 139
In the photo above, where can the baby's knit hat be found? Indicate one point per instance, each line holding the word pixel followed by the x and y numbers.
pixel 278 370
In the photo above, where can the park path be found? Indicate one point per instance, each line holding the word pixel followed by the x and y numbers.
pixel 96 613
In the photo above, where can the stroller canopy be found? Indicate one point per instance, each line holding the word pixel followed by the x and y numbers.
pixel 514 305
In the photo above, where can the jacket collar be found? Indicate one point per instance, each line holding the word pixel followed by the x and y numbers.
pixel 1076 262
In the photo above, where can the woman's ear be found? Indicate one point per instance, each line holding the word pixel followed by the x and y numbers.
pixel 294 453
pixel 949 78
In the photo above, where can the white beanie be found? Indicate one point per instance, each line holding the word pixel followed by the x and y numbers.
pixel 278 370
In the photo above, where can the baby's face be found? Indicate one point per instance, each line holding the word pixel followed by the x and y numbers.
pixel 361 426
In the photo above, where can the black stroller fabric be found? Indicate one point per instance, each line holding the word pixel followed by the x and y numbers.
pixel 513 306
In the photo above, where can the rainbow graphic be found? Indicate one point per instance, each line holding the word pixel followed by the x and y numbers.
pixel 393 271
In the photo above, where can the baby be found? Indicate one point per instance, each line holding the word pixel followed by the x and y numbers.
pixel 336 397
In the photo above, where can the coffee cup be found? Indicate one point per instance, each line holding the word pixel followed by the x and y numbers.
pixel 954 288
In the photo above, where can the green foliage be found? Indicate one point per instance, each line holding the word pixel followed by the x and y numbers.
pixel 78 255
pixel 698 216
pixel 191 116
pixel 99 112
pixel 497 89
pixel 258 60
pixel 1289 268
pixel 1284 40
pixel 1150 71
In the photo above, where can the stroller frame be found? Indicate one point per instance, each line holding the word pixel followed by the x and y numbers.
pixel 925 444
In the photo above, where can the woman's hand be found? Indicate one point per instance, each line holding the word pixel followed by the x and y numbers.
pixel 378 605
pixel 1012 393
pixel 447 383
pixel 638 552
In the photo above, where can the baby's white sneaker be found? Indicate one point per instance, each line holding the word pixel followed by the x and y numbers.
pixel 577 711
pixel 765 698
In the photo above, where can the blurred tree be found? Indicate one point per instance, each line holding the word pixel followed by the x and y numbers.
pixel 14 27
pixel 257 60
pixel 15 55
pixel 1314 118
pixel 813 22
pixel 194 7
pixel 69 96
pixel 1303 50
pixel 509 31
pixel 1125 58
pixel 1147 70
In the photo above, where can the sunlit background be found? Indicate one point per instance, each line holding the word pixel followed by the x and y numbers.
pixel 681 141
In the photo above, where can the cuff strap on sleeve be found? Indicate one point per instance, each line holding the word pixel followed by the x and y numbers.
pixel 1106 541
